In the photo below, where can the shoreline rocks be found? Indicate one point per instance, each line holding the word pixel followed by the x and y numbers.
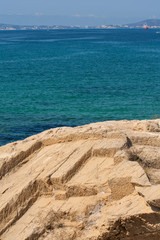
pixel 94 182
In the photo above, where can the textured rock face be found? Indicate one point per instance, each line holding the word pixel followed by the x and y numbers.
pixel 95 182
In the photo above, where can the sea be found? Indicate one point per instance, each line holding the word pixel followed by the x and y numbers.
pixel 59 78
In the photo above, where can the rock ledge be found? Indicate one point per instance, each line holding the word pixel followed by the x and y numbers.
pixel 95 182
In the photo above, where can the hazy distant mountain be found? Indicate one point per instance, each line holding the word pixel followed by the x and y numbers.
pixel 149 22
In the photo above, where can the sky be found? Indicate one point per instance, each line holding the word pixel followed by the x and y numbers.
pixel 77 12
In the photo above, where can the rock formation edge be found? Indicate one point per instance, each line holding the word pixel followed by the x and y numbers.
pixel 95 182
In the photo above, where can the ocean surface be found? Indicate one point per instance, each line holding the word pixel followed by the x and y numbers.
pixel 60 78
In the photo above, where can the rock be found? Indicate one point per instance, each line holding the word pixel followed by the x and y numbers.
pixel 151 194
pixel 93 182
pixel 149 156
pixel 149 126
pixel 153 175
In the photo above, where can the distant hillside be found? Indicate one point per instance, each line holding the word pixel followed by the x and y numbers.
pixel 149 22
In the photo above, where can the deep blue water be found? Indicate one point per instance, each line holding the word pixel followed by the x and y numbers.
pixel 73 77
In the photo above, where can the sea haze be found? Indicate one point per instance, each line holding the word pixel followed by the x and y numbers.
pixel 73 77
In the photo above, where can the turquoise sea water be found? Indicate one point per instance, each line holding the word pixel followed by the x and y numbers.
pixel 73 77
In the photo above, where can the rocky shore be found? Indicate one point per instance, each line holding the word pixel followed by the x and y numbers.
pixel 94 182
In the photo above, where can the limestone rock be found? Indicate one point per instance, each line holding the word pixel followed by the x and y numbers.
pixel 95 182
pixel 149 126
pixel 151 194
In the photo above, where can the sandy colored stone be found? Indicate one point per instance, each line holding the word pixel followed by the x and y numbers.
pixel 95 182
pixel 151 194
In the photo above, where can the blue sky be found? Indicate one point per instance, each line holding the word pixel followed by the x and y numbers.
pixel 77 12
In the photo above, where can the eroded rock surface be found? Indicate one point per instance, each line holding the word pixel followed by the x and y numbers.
pixel 95 182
